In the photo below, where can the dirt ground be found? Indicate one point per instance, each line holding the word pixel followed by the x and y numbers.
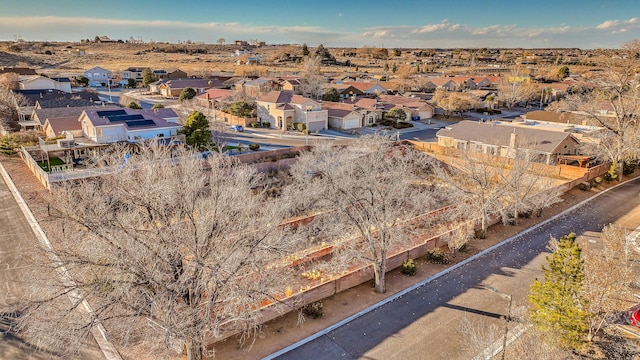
pixel 286 330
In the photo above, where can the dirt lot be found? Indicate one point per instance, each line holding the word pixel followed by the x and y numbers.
pixel 285 330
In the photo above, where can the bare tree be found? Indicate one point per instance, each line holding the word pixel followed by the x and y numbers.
pixel 10 104
pixel 452 101
pixel 171 251
pixel 311 70
pixel 476 184
pixel 608 276
pixel 614 104
pixel 368 187
pixel 526 181
pixel 9 81
pixel 515 88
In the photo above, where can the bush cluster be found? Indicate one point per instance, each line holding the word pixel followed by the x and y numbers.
pixel 437 256
pixel 313 310
pixel 254 147
pixel 409 267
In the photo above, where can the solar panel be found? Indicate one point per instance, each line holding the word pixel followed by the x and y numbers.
pixel 109 113
pixel 140 123
pixel 125 118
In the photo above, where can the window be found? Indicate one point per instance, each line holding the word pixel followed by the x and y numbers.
pixel 99 131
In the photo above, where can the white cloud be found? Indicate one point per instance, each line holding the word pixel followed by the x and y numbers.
pixel 607 24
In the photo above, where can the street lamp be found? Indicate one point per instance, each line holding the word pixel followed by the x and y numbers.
pixel 506 323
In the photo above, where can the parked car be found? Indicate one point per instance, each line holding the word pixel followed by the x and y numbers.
pixel 238 128
pixel 635 318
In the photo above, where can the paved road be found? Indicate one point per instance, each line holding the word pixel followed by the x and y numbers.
pixel 425 323
pixel 16 239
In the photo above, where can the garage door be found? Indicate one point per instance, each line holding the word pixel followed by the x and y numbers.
pixel 351 124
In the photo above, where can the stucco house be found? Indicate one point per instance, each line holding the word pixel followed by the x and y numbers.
pixel 129 125
pixel 502 140
pixel 417 108
pixel 38 82
pixel 99 76
pixel 343 116
pixel 368 88
pixel 283 108
pixel 173 87
pixel 134 73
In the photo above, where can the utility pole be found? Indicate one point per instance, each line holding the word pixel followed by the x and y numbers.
pixel 507 319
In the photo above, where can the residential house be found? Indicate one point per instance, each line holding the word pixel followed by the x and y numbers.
pixel 213 98
pixel 343 116
pixel 160 74
pixel 573 120
pixel 367 87
pixel 104 126
pixel 172 88
pixel 38 82
pixel 99 76
pixel 416 108
pixel 283 108
pixel 22 71
pixel 345 91
pixel 444 83
pixel 131 73
pixel 61 126
pixel 258 87
pixel 501 139
pixel 294 85
pixel 41 116
pixel 371 109
pixel 177 74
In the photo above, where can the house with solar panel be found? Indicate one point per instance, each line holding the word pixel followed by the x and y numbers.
pixel 104 126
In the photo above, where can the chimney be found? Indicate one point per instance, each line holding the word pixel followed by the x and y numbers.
pixel 513 139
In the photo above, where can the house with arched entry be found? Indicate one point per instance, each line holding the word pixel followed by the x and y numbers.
pixel 282 108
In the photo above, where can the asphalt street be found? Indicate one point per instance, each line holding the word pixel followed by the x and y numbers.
pixel 427 323
pixel 17 240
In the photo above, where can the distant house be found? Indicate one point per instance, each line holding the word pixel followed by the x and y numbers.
pixel 99 76
pixel 502 140
pixel 53 116
pixel 213 97
pixel 172 88
pixel 129 125
pixel 417 108
pixel 177 74
pixel 131 73
pixel 22 71
pixel 38 82
pixel 367 87
pixel 345 90
pixel 258 87
pixel 283 108
pixel 293 85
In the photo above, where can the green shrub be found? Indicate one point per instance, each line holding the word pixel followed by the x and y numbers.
pixel 301 127
pixel 254 147
pixel 266 124
pixel 437 256
pixel 254 125
pixel 402 125
pixel 629 167
pixel 409 267
pixel 313 310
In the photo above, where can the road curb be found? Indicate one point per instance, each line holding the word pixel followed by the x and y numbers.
pixel 99 333
pixel 438 275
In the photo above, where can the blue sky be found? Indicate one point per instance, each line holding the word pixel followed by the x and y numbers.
pixel 394 23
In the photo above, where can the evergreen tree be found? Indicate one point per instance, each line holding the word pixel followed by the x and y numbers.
pixel 148 77
pixel 305 50
pixel 557 306
pixel 331 94
pixel 196 130
pixel 186 94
